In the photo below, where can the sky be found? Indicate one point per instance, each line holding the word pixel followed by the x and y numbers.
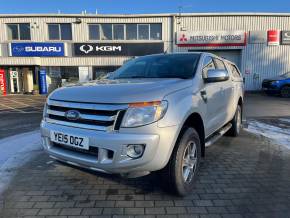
pixel 141 6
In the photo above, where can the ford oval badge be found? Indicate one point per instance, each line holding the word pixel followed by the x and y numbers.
pixel 72 115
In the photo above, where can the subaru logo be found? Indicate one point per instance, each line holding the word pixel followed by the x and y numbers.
pixel 72 115
pixel 18 48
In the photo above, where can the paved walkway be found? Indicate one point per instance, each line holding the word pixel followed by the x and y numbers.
pixel 240 177
pixel 246 176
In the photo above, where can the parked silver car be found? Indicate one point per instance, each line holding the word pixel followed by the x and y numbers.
pixel 155 113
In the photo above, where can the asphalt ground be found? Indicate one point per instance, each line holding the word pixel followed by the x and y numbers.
pixel 20 113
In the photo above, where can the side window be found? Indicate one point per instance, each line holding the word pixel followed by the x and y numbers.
pixel 235 71
pixel 207 65
pixel 220 64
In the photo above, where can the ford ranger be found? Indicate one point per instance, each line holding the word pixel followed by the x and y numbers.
pixel 155 113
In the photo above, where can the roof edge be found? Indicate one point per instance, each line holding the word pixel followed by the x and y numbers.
pixel 147 15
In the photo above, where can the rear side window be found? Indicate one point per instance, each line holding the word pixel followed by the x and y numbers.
pixel 207 65
pixel 220 64
pixel 235 71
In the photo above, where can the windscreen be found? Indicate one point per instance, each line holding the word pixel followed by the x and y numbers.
pixel 159 66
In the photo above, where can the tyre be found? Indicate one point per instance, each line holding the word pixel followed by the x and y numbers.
pixel 236 123
pixel 285 92
pixel 181 171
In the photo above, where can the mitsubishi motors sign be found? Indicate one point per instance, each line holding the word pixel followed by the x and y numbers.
pixel 211 38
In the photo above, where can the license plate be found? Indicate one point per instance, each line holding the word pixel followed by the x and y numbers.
pixel 70 140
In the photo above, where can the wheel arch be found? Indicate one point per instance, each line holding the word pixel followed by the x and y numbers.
pixel 241 103
pixel 195 120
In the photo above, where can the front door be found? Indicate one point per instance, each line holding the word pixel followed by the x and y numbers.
pixel 213 96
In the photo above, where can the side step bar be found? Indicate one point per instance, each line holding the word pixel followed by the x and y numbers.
pixel 212 139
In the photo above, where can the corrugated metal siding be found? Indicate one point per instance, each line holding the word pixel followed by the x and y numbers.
pixel 39 33
pixel 259 61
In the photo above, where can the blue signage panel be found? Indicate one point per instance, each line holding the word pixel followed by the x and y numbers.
pixel 42 82
pixel 37 49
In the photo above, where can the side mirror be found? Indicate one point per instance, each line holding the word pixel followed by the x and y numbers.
pixel 216 76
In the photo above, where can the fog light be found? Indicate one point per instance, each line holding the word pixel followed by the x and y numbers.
pixel 135 151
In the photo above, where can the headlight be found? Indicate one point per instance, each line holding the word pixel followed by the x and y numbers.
pixel 44 113
pixel 140 114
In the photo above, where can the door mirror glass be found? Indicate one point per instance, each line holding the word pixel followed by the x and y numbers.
pixel 214 75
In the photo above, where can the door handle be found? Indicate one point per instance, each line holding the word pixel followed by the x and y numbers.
pixel 203 95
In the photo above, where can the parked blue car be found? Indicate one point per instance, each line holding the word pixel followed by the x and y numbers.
pixel 278 85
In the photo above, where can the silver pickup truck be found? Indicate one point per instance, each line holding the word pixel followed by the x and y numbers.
pixel 155 113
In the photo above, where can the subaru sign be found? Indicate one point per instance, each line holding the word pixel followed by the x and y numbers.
pixel 117 49
pixel 37 49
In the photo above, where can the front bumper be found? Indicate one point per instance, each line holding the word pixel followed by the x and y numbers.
pixel 158 148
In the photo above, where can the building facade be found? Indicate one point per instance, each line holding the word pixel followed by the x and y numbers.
pixel 42 52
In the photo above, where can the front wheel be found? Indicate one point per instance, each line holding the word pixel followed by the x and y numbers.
pixel 181 171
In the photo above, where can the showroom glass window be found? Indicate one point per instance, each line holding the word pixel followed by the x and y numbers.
pixel 143 31
pixel 121 31
pixel 94 31
pixel 60 31
pixel 118 30
pixel 19 31
pixel 155 31
pixel 106 31
pixel 131 31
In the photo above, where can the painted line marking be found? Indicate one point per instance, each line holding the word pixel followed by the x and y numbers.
pixel 17 102
pixel 13 108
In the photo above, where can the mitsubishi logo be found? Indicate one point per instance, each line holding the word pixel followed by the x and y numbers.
pixel 86 48
pixel 183 38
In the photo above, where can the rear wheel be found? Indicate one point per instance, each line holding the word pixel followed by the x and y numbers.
pixel 181 171
pixel 236 123
pixel 285 92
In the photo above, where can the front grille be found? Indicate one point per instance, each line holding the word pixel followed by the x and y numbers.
pixel 103 117
pixel 93 151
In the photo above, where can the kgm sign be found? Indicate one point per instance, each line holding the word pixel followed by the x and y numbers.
pixel 37 49
pixel 87 49
pixel 117 49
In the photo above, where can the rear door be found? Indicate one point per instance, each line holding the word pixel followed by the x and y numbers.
pixel 227 94
pixel 237 82
pixel 214 99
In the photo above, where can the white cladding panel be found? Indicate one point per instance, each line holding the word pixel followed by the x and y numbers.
pixel 39 33
pixel 258 61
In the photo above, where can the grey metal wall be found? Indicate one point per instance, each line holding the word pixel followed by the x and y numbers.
pixel 39 33
pixel 258 61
